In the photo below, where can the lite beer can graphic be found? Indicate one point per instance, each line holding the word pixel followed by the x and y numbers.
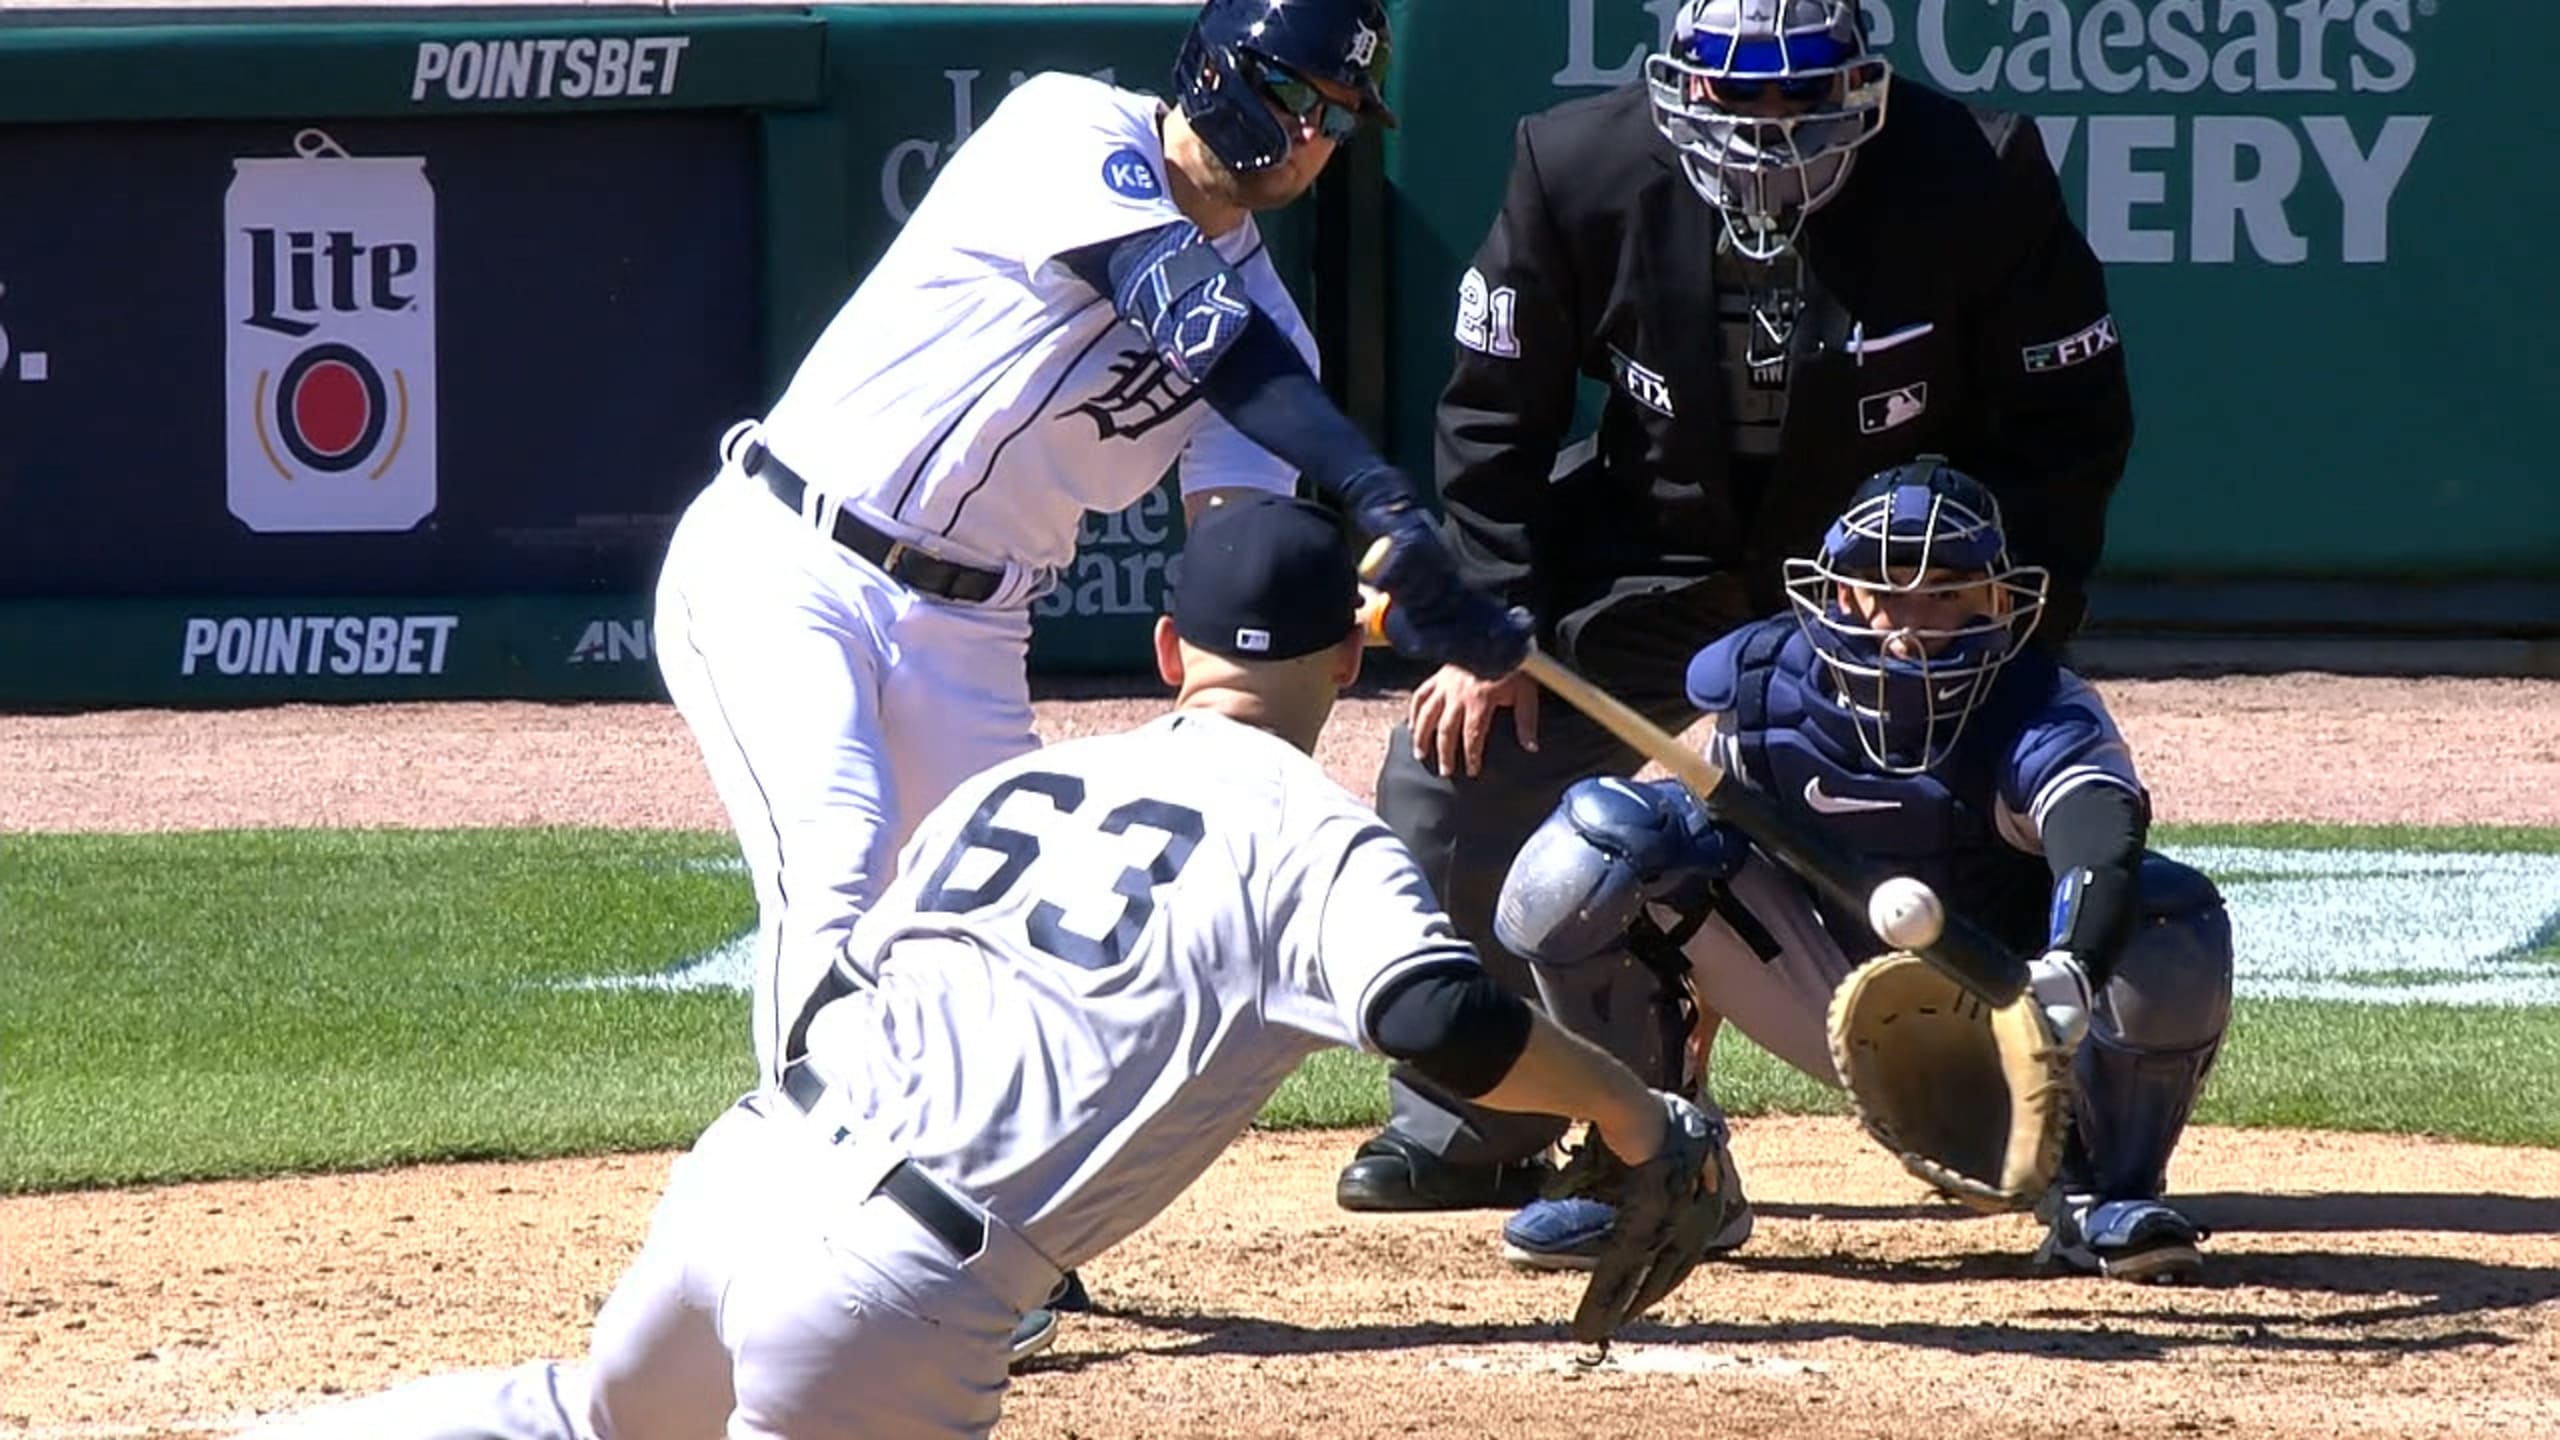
pixel 329 268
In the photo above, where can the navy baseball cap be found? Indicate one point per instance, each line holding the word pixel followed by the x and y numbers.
pixel 1265 578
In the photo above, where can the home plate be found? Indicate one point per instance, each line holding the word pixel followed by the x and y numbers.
pixel 1633 1360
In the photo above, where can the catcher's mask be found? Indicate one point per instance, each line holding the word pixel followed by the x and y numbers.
pixel 1246 56
pixel 1767 102
pixel 1913 606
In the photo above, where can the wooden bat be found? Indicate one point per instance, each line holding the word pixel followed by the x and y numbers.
pixel 1964 950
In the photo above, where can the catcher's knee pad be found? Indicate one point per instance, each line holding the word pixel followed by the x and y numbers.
pixel 2158 1026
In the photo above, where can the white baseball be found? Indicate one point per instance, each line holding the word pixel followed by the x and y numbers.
pixel 1906 914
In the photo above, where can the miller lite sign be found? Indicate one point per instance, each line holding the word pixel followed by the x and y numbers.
pixel 329 272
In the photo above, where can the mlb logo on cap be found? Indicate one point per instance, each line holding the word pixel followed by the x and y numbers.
pixel 1256 641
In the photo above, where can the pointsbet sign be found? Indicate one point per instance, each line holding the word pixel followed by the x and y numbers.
pixel 2276 131
pixel 583 67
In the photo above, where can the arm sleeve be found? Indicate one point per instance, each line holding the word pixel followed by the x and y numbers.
pixel 1454 1023
pixel 1510 395
pixel 2054 372
pixel 1218 455
pixel 2099 829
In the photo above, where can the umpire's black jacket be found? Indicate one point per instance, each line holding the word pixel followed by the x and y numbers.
pixel 1951 219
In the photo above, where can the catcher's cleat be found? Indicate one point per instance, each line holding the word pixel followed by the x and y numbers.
pixel 1033 1333
pixel 1391 1172
pixel 1569 1233
pixel 2142 1241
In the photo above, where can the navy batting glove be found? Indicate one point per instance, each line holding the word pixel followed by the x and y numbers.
pixel 1433 615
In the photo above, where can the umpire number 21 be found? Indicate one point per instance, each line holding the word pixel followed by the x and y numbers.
pixel 1180 826
pixel 1488 318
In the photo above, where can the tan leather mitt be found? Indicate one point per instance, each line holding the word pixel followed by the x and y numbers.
pixel 1970 1098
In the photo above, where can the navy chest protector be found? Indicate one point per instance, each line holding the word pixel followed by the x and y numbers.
pixel 1801 750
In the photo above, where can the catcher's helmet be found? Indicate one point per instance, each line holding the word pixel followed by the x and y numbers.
pixel 1245 56
pixel 1767 102
pixel 1911 536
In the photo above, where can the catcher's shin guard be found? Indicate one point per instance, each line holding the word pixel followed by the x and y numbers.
pixel 2158 1026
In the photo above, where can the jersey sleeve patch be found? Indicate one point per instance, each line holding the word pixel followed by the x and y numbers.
pixel 1129 173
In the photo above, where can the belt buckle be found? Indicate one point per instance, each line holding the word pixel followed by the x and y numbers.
pixel 893 557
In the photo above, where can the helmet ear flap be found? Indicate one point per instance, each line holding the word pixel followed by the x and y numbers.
pixel 1223 108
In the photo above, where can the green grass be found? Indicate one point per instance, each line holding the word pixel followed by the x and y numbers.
pixel 2490 1075
pixel 250 1003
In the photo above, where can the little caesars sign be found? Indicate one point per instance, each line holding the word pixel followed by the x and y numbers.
pixel 2275 140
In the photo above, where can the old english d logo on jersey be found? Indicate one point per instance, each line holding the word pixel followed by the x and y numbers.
pixel 330 341
pixel 1144 394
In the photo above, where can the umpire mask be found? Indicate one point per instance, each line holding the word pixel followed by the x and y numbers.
pixel 1767 102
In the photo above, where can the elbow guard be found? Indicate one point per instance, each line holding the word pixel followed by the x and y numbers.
pixel 1455 1024
pixel 1186 297
pixel 1588 869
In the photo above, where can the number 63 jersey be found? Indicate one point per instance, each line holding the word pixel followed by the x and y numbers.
pixel 1100 959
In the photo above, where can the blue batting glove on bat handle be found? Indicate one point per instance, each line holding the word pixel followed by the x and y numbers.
pixel 1434 615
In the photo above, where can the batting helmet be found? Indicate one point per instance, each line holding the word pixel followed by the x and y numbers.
pixel 1913 605
pixel 1767 102
pixel 1246 56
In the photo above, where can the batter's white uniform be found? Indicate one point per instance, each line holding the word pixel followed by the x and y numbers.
pixel 1097 964
pixel 973 399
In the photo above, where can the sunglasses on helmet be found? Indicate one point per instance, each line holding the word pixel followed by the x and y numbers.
pixel 1735 90
pixel 1307 105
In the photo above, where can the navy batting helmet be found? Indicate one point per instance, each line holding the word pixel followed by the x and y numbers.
pixel 1245 56
pixel 1913 606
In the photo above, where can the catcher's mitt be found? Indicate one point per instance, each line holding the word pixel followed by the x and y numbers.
pixel 1668 1209
pixel 1970 1097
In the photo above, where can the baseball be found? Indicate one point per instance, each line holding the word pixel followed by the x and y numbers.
pixel 1905 913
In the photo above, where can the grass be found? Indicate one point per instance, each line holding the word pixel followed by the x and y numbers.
pixel 252 1003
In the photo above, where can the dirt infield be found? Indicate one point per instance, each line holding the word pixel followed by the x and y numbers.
pixel 2360 1286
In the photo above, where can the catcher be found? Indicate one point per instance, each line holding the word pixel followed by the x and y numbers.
pixel 1899 715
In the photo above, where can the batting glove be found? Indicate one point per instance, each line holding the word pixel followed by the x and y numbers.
pixel 2061 987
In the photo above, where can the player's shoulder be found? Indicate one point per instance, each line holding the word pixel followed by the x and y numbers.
pixel 1055 108
pixel 1716 672
pixel 1948 158
pixel 1597 149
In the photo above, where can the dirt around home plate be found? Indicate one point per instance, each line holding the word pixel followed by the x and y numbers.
pixel 2360 1286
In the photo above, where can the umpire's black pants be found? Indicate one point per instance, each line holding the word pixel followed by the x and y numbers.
pixel 1464 830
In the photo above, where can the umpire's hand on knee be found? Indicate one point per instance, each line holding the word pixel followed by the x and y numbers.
pixel 1453 712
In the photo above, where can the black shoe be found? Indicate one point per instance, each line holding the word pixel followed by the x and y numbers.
pixel 1390 1172
pixel 1069 1298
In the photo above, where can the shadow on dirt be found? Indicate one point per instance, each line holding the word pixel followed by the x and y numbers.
pixel 2333 1214
pixel 2426 1301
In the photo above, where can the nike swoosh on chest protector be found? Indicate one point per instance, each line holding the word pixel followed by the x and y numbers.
pixel 1828 804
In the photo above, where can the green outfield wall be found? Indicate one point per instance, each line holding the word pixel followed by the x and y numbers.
pixel 2323 221
pixel 323 322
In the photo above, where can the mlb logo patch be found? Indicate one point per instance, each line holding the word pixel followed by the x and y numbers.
pixel 1253 641
pixel 1879 413
pixel 1128 173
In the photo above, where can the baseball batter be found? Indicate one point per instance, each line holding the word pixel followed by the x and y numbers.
pixel 1080 303
pixel 1899 715
pixel 1096 964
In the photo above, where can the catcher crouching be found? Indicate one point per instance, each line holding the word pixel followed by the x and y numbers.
pixel 1899 715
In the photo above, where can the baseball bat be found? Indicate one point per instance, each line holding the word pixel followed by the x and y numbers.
pixel 1964 950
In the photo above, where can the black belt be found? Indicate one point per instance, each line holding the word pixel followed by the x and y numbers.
pixel 896 558
pixel 907 1187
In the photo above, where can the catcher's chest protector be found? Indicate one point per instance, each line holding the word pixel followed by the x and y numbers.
pixel 1800 749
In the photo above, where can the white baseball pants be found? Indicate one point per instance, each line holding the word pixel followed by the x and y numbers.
pixel 834 707
pixel 768 1303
